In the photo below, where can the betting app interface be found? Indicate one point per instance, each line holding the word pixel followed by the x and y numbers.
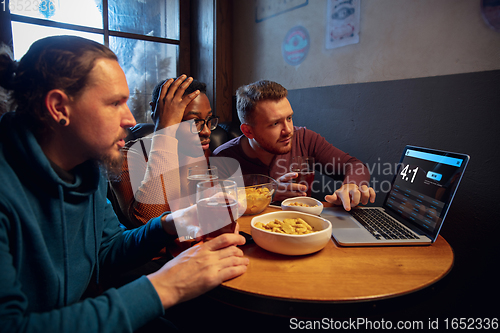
pixel 422 187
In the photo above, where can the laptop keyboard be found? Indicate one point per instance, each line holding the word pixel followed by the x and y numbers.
pixel 380 225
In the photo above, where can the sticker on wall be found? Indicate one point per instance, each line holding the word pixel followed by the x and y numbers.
pixel 342 23
pixel 295 45
pixel 265 9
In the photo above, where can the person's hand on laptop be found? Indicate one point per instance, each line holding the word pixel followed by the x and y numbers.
pixel 351 195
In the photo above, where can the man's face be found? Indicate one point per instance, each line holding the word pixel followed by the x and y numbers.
pixel 272 126
pixel 100 115
pixel 199 108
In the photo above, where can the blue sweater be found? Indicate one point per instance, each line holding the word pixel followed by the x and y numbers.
pixel 55 235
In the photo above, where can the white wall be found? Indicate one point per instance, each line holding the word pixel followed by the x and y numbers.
pixel 399 39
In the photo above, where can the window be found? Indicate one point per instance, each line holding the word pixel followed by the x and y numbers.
pixel 145 35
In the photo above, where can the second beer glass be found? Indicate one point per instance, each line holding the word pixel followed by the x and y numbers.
pixel 304 167
pixel 217 205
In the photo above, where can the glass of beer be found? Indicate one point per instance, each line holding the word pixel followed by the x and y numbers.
pixel 304 167
pixel 217 206
pixel 197 174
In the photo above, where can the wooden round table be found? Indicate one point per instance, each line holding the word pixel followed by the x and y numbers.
pixel 334 275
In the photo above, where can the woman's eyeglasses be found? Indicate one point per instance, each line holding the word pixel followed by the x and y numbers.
pixel 198 124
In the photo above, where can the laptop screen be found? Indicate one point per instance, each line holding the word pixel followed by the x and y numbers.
pixel 424 186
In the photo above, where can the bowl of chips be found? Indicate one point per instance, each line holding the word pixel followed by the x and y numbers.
pixel 303 204
pixel 258 192
pixel 290 232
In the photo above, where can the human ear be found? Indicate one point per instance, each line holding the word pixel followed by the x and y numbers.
pixel 56 102
pixel 247 130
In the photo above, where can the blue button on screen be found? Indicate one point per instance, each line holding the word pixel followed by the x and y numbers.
pixel 433 175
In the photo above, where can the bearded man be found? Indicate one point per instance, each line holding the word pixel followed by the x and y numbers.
pixel 58 232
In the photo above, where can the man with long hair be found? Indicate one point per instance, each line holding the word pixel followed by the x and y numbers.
pixel 58 233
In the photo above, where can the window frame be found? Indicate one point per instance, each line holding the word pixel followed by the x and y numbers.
pixel 106 32
pixel 182 59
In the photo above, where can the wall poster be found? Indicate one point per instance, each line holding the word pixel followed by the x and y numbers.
pixel 342 23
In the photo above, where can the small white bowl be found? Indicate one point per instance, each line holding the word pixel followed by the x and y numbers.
pixel 285 205
pixel 292 244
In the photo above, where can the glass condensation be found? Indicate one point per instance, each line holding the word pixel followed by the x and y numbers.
pixel 25 34
pixel 158 18
pixel 86 13
pixel 145 64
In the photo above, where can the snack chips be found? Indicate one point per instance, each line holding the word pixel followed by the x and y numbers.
pixel 300 204
pixel 288 226
pixel 257 199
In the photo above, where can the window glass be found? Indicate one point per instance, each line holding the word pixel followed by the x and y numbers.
pixel 145 17
pixel 87 13
pixel 145 64
pixel 25 34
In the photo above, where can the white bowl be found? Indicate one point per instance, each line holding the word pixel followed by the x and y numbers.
pixel 285 205
pixel 292 244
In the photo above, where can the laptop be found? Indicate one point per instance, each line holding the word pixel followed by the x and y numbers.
pixel 415 207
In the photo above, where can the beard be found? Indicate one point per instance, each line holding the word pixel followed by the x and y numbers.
pixel 112 162
pixel 274 148
pixel 112 165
